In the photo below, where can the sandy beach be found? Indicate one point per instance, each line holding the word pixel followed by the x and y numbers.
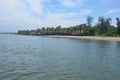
pixel 88 37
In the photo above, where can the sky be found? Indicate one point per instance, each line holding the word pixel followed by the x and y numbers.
pixel 32 14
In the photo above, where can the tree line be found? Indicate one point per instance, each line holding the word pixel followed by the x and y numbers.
pixel 102 28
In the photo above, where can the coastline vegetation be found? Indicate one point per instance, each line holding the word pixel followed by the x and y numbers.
pixel 102 28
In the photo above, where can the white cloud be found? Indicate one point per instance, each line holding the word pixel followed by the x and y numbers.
pixel 35 5
pixel 69 3
pixel 67 19
pixel 113 11
pixel 85 11
pixel 59 19
pixel 9 7
pixel 16 13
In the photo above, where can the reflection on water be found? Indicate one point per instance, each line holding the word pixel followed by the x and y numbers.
pixel 118 44
pixel 43 58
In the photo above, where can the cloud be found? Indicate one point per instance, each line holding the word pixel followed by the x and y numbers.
pixel 66 19
pixel 54 19
pixel 113 11
pixel 85 11
pixel 21 13
pixel 35 6
pixel 70 3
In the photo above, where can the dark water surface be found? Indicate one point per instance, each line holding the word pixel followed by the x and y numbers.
pixel 43 58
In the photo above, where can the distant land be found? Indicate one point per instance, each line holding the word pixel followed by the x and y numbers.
pixel 102 28
pixel 8 33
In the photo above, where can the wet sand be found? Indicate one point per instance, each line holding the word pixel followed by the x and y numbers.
pixel 87 37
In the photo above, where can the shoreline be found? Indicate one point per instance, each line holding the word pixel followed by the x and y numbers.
pixel 87 37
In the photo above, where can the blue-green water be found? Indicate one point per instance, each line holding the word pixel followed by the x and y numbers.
pixel 44 58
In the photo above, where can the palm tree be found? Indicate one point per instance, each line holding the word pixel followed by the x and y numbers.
pixel 118 25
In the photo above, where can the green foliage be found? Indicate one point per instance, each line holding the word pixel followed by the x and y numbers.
pixel 103 28
pixel 118 25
